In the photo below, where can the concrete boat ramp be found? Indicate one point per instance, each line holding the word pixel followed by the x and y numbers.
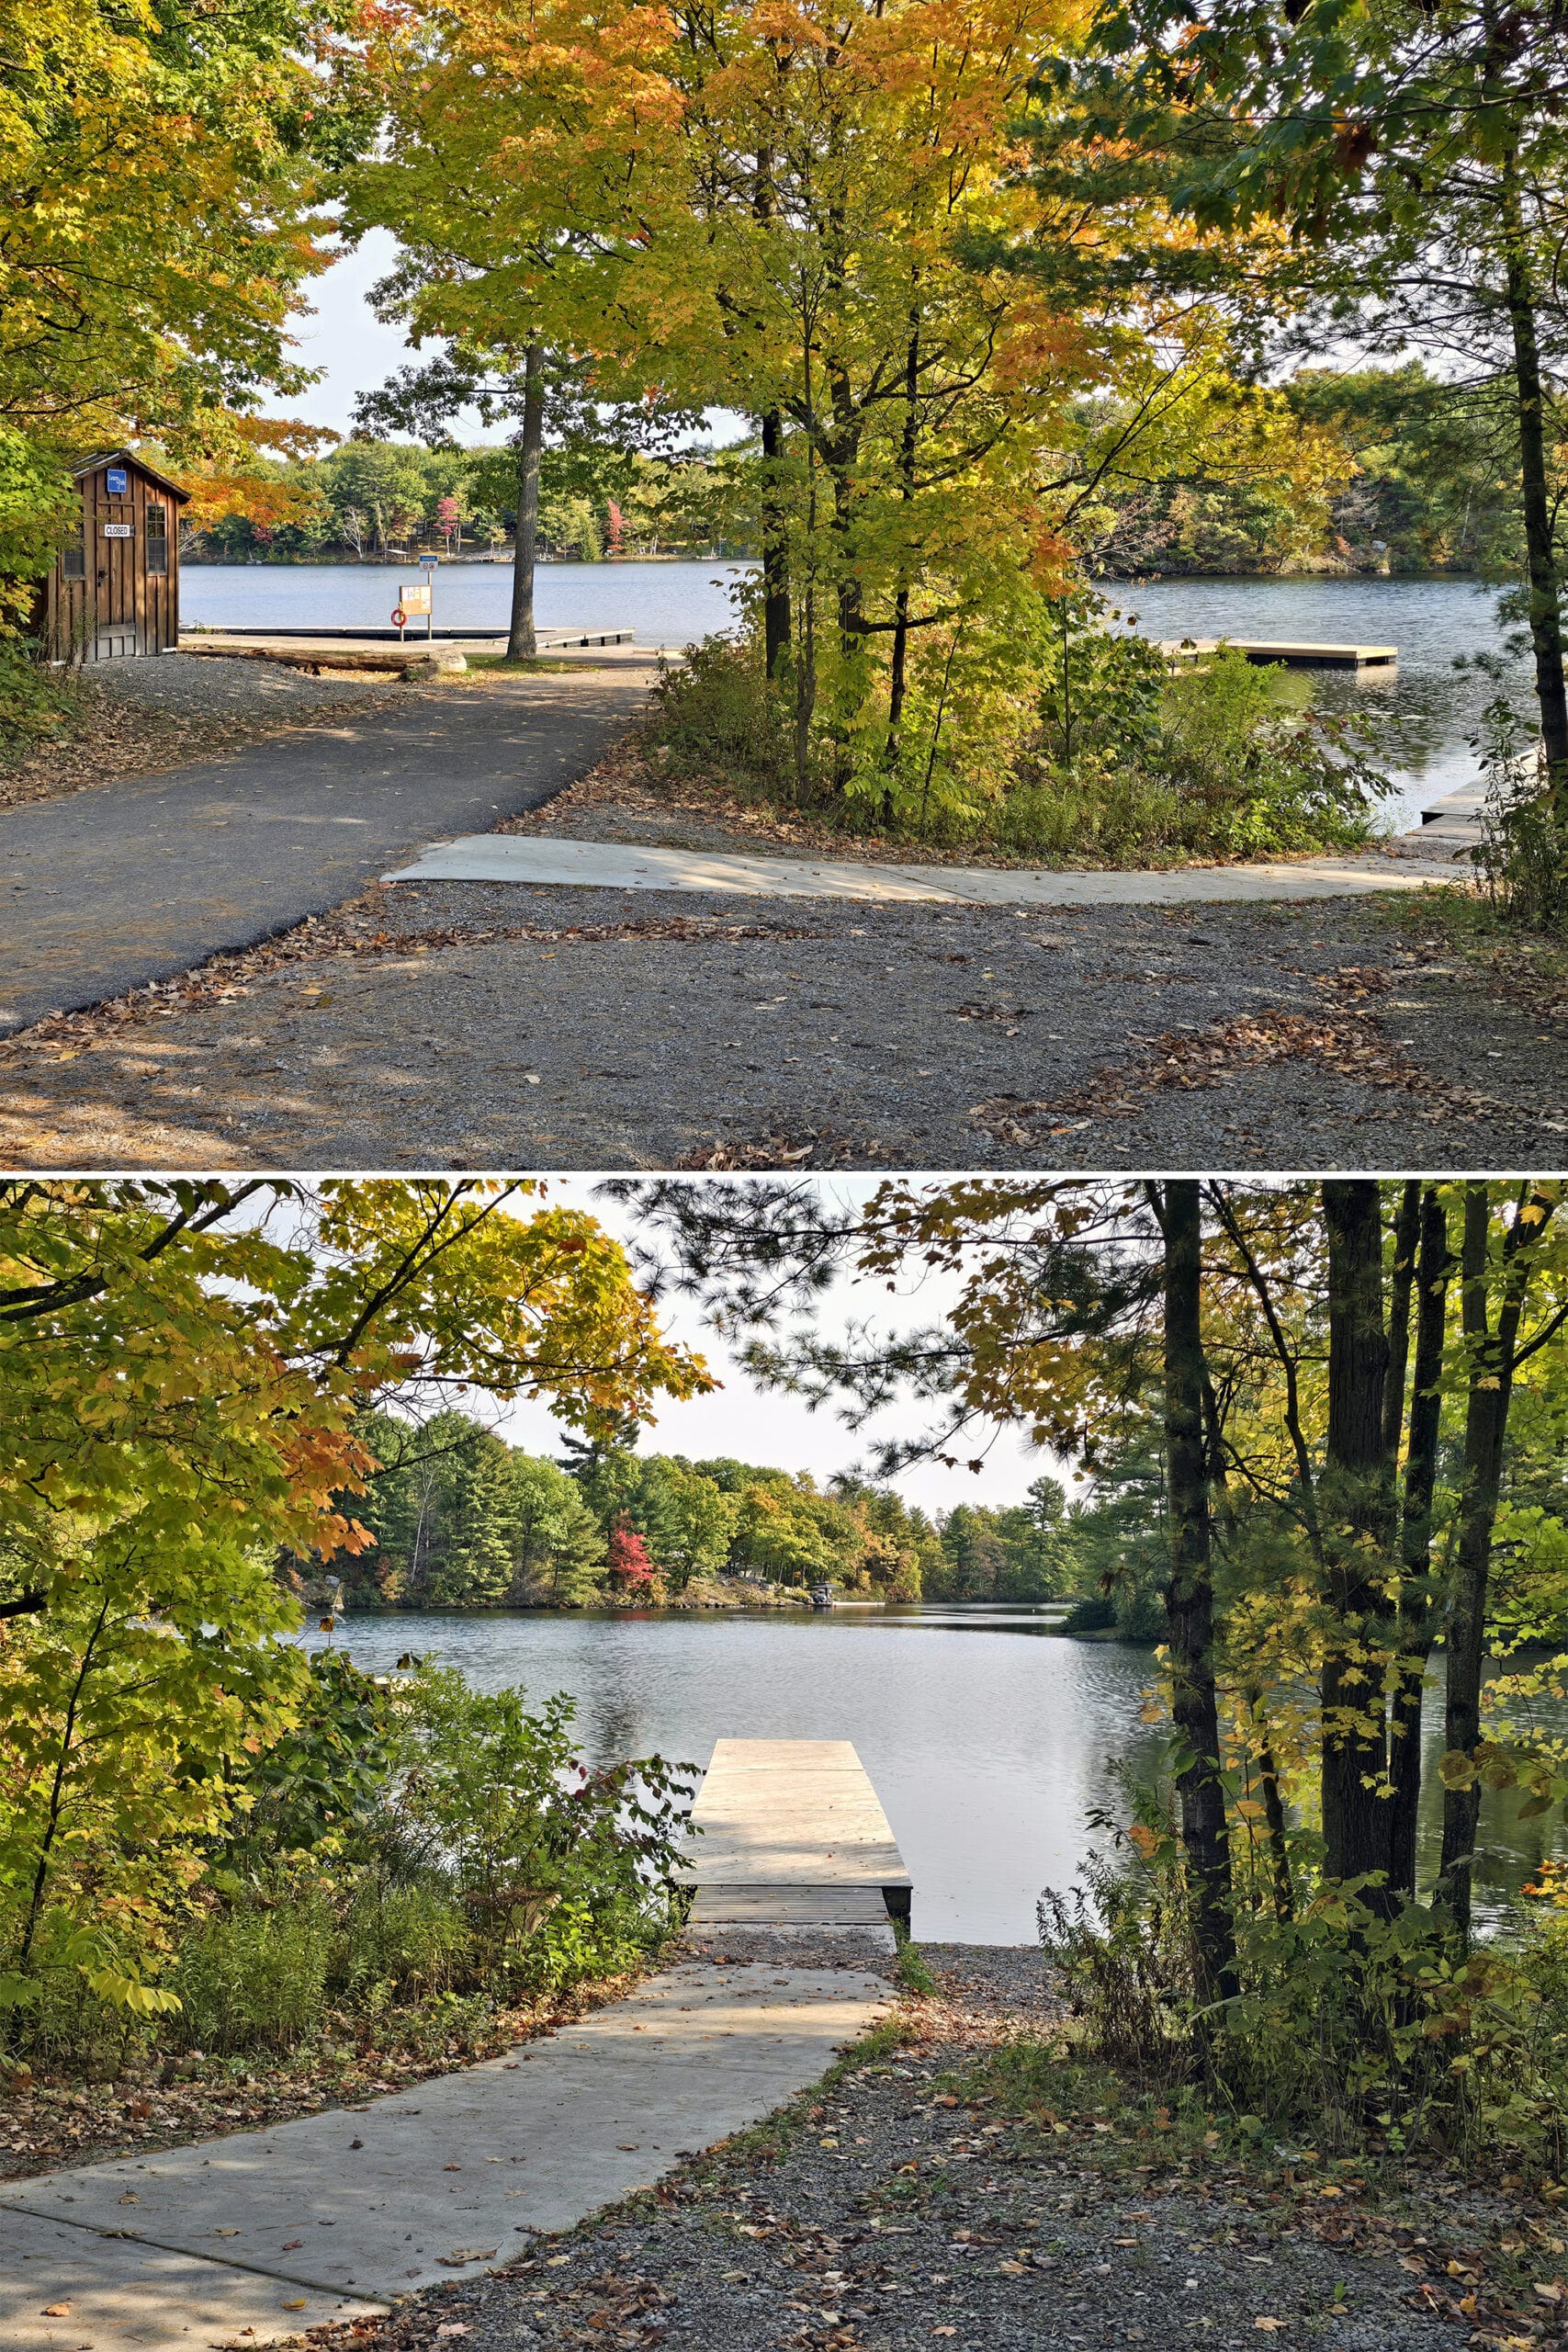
pixel 537 858
pixel 253 2238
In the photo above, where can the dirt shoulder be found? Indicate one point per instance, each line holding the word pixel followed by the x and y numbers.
pixel 448 1025
pixel 908 2200
pixel 142 718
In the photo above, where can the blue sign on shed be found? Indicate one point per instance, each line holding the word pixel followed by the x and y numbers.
pixel 116 481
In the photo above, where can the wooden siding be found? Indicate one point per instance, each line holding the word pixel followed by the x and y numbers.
pixel 86 620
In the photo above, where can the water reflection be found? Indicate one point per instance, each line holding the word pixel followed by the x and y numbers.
pixel 1435 707
pixel 988 1754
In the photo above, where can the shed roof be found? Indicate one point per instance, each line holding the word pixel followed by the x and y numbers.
pixel 129 457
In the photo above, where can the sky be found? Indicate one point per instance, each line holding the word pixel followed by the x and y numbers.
pixel 342 336
pixel 761 1426
pixel 346 339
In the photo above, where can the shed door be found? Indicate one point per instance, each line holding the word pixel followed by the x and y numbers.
pixel 116 525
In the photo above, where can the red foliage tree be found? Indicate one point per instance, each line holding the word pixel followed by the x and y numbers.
pixel 629 1567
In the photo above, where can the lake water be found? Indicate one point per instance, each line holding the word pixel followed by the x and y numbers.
pixel 671 604
pixel 666 604
pixel 989 1737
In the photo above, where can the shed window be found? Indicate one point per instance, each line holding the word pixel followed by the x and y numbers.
pixel 73 557
pixel 157 542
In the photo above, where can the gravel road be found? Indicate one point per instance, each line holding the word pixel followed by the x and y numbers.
pixel 897 2208
pixel 494 1025
pixel 203 685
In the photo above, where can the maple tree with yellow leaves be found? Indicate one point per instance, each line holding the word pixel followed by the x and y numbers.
pixel 812 214
pixel 187 1365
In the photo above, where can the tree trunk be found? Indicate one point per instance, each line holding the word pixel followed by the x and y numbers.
pixel 1417 1616
pixel 775 551
pixel 908 446
pixel 1356 1503
pixel 1406 1235
pixel 1541 555
pixel 1189 1597
pixel 1492 1353
pixel 775 538
pixel 521 644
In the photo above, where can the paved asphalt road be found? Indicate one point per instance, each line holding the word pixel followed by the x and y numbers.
pixel 103 891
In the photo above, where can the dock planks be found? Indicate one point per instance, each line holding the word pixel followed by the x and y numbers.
pixel 1290 652
pixel 794 1834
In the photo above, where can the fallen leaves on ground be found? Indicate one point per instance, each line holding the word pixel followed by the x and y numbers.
pixel 1348 1044
pixel 1005 1017
pixel 116 740
pixel 815 1148
pixel 366 926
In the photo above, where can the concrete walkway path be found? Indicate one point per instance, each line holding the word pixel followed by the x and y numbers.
pixel 615 866
pixel 103 891
pixel 274 2231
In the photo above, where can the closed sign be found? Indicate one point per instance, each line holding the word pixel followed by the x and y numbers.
pixel 118 483
pixel 117 530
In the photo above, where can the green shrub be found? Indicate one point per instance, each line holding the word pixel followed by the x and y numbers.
pixel 555 1863
pixel 1215 770
pixel 718 716
pixel 37 705
pixel 255 1973
pixel 327 1775
pixel 1522 856
pixel 1349 2031
pixel 36 502
pixel 409 1843
pixel 1126 762
pixel 401 1942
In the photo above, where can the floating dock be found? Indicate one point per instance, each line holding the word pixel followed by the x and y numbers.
pixel 794 1836
pixel 414 635
pixel 1455 819
pixel 1289 652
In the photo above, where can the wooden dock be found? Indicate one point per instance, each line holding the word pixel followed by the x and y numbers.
pixel 211 637
pixel 793 1836
pixel 1289 652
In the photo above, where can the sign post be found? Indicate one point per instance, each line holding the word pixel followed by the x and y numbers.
pixel 412 597
pixel 428 563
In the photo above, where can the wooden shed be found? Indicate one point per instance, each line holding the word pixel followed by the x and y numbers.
pixel 115 589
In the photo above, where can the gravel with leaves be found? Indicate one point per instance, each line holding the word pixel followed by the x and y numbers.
pixel 913 2200
pixel 455 1025
pixel 142 717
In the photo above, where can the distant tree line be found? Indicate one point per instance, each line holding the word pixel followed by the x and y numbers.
pixel 460 1519
pixel 1426 483
pixel 366 499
